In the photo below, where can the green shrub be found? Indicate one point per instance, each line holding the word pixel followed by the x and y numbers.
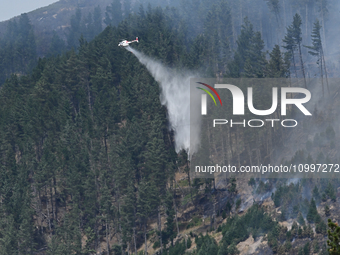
pixel 238 203
pixel 156 245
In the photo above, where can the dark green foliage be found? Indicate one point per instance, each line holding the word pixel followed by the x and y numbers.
pixel 170 233
pixel 179 249
pixel 206 245
pixel 75 30
pixel 324 197
pixel 321 228
pixel 316 247
pixel 288 246
pixel 86 28
pixel 300 219
pixel 195 221
pixel 238 203
pixel 276 67
pixel 293 41
pixel 251 182
pixel 85 147
pixel 113 13
pixel 57 45
pixel 312 212
pixel 255 221
pixel 224 214
pixel 306 248
pixel 91 149
pixel 117 249
pixel 228 206
pixel 232 186
pixel 327 211
pixel 316 194
pixel 330 192
pixel 17 48
pixel 264 187
pixel 249 59
pixel 156 245
pixel 316 49
pixel 274 6
pixel 289 198
pixel 333 238
pixel 188 243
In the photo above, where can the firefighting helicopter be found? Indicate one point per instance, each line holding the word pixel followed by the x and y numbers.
pixel 126 43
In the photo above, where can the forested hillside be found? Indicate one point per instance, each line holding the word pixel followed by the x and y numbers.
pixel 57 28
pixel 88 162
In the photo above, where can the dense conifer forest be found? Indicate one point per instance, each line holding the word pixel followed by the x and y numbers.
pixel 88 161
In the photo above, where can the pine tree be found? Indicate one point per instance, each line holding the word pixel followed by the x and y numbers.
pixel 300 219
pixel 75 30
pixel 333 238
pixel 249 59
pixel 316 194
pixel 323 10
pixel 255 61
pixel 57 45
pixel 312 211
pixel 327 211
pixel 170 212
pixel 113 13
pixel 297 36
pixel 290 46
pixel 146 204
pixel 317 50
pixel 276 67
pixel 274 6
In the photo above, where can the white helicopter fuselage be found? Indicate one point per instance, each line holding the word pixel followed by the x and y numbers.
pixel 126 43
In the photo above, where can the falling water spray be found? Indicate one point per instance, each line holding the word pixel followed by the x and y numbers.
pixel 175 95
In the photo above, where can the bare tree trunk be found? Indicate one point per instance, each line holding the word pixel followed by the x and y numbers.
pixel 160 229
pixel 134 240
pixel 38 208
pixel 145 241
pixel 89 97
pixel 134 229
pixel 107 238
pixel 302 66
pixel 174 202
pixel 324 64
pixel 214 216
pixel 51 195
pixel 55 199
pixel 294 63
pixel 241 16
pixel 321 72
pixel 188 169
pixel 261 25
pixel 234 31
pixel 284 14
pixel 323 27
pixel 48 213
pixel 119 225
